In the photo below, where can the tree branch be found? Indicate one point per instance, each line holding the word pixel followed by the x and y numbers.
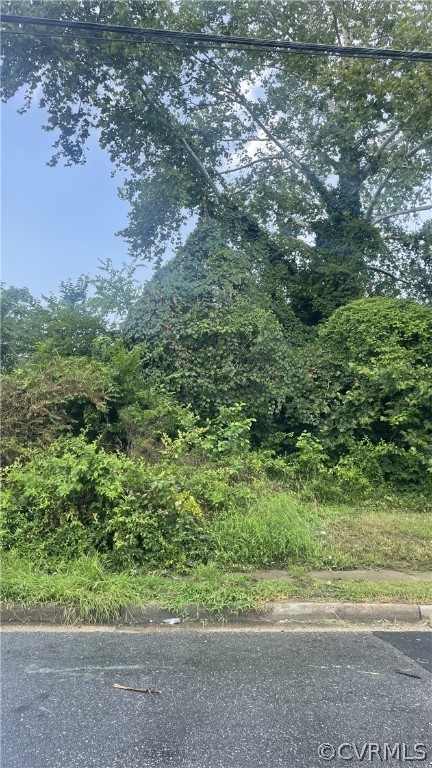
pixel 382 147
pixel 420 146
pixel 178 130
pixel 197 162
pixel 331 10
pixel 331 161
pixel 244 223
pixel 403 212
pixel 387 145
pixel 252 162
pixel 345 36
pixel 335 22
pixel 233 140
pixel 412 151
pixel 390 173
pixel 377 194
pixel 310 175
pixel 388 274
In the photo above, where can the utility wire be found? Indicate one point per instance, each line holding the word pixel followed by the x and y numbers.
pixel 156 35
pixel 173 44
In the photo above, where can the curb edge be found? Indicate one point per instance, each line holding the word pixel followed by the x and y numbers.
pixel 273 613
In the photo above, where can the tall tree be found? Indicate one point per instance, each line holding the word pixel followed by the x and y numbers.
pixel 322 164
pixel 22 317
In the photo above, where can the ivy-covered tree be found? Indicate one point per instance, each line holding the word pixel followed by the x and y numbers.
pixel 208 331
pixel 319 164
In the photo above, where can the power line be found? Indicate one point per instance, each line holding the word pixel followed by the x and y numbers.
pixel 191 38
pixel 174 45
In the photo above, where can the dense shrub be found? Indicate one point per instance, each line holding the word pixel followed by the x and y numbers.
pixel 216 357
pixel 106 397
pixel 75 498
pixel 209 330
pixel 158 454
pixel 51 397
pixel 369 329
pixel 372 369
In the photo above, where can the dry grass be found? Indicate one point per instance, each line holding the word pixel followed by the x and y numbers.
pixel 363 539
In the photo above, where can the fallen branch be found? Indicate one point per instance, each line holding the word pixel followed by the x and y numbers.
pixel 137 690
pixel 408 674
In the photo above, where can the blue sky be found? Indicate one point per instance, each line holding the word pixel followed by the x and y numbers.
pixel 56 222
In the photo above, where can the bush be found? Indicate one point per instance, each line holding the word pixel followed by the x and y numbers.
pixel 75 498
pixel 105 397
pixel 50 398
pixel 372 364
pixel 215 356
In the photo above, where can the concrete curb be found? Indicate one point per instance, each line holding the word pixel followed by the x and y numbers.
pixel 274 613
pixel 43 613
pixel 425 612
pixel 358 613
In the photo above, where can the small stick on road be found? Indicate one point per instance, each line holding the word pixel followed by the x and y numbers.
pixel 138 690
pixel 408 674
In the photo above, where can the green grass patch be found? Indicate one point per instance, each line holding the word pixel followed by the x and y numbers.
pixel 275 531
pixel 84 584
pixel 88 589
pixel 373 591
pixel 364 538
pixel 270 530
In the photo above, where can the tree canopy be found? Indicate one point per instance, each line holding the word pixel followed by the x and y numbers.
pixel 316 166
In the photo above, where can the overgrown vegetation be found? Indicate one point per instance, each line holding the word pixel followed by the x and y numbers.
pixel 144 455
pixel 91 592
pixel 273 379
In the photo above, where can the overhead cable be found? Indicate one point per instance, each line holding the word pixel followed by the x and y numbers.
pixel 192 38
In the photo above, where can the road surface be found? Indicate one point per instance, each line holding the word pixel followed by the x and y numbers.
pixel 228 699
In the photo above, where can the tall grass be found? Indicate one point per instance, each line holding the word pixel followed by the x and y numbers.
pixel 92 593
pixel 274 531
pixel 84 583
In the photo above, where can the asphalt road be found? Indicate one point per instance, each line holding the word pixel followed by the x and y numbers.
pixel 228 699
